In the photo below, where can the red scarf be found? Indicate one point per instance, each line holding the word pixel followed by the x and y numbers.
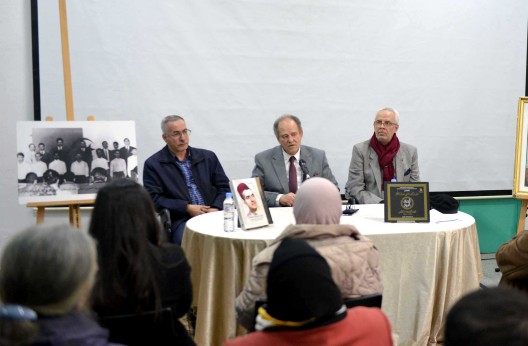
pixel 386 155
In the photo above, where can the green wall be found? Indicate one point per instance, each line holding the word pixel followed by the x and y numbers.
pixel 496 219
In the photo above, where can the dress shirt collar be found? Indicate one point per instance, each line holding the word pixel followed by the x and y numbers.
pixel 286 156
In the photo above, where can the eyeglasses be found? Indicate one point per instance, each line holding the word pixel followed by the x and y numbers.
pixel 378 123
pixel 178 134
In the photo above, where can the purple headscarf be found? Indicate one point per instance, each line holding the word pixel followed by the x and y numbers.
pixel 317 202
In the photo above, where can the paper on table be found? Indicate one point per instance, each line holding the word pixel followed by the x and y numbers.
pixel 438 217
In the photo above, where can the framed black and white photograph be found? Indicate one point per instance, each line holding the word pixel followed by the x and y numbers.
pixel 71 160
pixel 253 212
pixel 520 180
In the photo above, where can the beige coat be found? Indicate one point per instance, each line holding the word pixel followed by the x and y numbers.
pixel 352 258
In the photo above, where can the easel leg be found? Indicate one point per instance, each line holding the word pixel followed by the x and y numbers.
pixel 75 215
pixel 522 216
pixel 40 214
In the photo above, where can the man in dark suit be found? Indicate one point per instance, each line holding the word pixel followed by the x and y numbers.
pixel 105 151
pixel 85 152
pixel 282 169
pixel 185 180
pixel 126 150
pixel 45 155
pixel 63 152
pixel 113 151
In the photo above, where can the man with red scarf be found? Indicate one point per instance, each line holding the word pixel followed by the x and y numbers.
pixel 381 158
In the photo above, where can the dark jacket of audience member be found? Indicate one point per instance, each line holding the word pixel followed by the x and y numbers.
pixel 46 277
pixel 512 259
pixel 488 317
pixel 138 270
pixel 304 306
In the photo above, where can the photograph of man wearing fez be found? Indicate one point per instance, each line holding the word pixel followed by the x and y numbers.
pixel 253 212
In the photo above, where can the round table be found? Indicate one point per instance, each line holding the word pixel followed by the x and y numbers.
pixel 425 267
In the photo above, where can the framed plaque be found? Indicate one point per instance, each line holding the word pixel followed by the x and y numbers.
pixel 407 202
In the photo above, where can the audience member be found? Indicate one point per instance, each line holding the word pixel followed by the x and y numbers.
pixel 512 259
pixel 186 181
pixel 381 159
pixel 46 276
pixel 488 317
pixel 305 307
pixel 139 271
pixel 352 257
pixel 283 168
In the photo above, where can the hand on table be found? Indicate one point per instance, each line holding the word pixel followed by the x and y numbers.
pixel 287 200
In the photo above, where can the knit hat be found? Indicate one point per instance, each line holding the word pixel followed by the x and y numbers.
pixel 300 285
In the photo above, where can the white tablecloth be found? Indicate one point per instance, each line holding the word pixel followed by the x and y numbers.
pixel 425 267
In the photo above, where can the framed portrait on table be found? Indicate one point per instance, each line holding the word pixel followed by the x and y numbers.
pixel 253 212
pixel 520 180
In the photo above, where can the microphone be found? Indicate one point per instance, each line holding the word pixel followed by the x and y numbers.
pixel 304 169
pixel 349 210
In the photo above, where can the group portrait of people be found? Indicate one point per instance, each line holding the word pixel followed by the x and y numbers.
pixel 75 166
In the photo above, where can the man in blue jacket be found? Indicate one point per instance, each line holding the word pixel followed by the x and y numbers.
pixel 185 180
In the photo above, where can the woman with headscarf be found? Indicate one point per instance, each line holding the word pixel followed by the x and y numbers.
pixel 352 257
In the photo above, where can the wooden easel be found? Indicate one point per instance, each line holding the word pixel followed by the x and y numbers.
pixel 522 216
pixel 73 206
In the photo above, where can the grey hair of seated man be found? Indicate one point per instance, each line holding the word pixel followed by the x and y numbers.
pixel 168 119
pixel 50 269
pixel 393 110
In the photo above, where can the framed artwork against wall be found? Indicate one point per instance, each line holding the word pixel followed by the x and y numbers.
pixel 520 178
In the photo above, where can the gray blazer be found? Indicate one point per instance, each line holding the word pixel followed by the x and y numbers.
pixel 270 167
pixel 364 174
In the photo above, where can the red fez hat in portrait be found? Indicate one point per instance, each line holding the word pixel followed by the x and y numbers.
pixel 241 188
